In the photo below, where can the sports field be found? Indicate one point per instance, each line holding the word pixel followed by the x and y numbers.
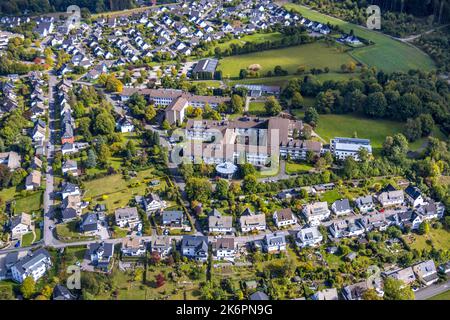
pixel 386 54
pixel 313 55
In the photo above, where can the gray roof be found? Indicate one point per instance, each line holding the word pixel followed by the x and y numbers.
pixel 108 248
pixel 197 242
pixel 89 222
pixel 342 205
pixel 259 295
pixel 172 216
pixel 29 262
pixel 206 65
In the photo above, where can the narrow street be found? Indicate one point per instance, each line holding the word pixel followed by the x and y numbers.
pixel 49 193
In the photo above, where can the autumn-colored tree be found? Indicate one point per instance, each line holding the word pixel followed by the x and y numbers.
pixel 160 280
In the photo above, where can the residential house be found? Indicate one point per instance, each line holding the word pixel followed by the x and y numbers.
pixel 218 223
pixel 133 247
pixel 70 189
pixel 34 265
pixel 365 204
pixel 173 219
pixel 89 223
pixel 308 237
pixel 431 210
pixel 127 217
pixel 406 275
pixel 162 245
pixel 60 292
pixel 33 180
pixel 20 225
pixel 274 242
pixel 258 296
pixel 10 159
pixel 355 291
pixel 341 207
pixel 326 294
pixel 426 272
pixel 153 203
pixel 346 228
pixel 251 222
pixel 375 222
pixel 414 196
pixel 70 166
pixel 195 247
pixel 316 212
pixel 284 217
pixel 125 125
pixel 224 249
pixel 101 255
pixel 391 198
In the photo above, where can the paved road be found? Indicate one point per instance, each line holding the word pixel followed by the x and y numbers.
pixel 431 291
pixel 49 194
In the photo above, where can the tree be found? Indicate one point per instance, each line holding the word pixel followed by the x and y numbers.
pixel 160 280
pixel 150 113
pixel 237 104
pixel 249 184
pixel 91 161
pixel 376 105
pixel 427 123
pixel 246 169
pixel 350 168
pixel 165 125
pixel 28 287
pixel 311 117
pixel 199 189
pixel 297 100
pixel 272 106
pixel 413 129
pixel 104 123
pixel 371 294
pixel 424 228
pixel 395 289
pixel 222 189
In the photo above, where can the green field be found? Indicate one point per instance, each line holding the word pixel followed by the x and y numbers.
pixel 294 168
pixel 30 203
pixel 254 38
pixel 440 239
pixel 115 192
pixel 386 54
pixel 442 296
pixel 256 109
pixel 337 125
pixel 313 55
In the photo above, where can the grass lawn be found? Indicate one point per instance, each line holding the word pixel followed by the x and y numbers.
pixel 257 108
pixel 283 80
pixel 253 38
pixel 68 232
pixel 30 203
pixel 442 296
pixel 440 239
pixel 331 196
pixel 313 55
pixel 209 83
pixel 27 239
pixel 294 168
pixel 336 125
pixel 387 54
pixel 114 191
pixel 8 194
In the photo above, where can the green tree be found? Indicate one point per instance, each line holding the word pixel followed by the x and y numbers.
pixel 28 287
pixel 198 189
pixel 395 289
pixel 222 189
pixel 311 117
pixel 272 106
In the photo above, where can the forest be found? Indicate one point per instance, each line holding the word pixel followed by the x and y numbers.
pixel 399 17
pixel 12 7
